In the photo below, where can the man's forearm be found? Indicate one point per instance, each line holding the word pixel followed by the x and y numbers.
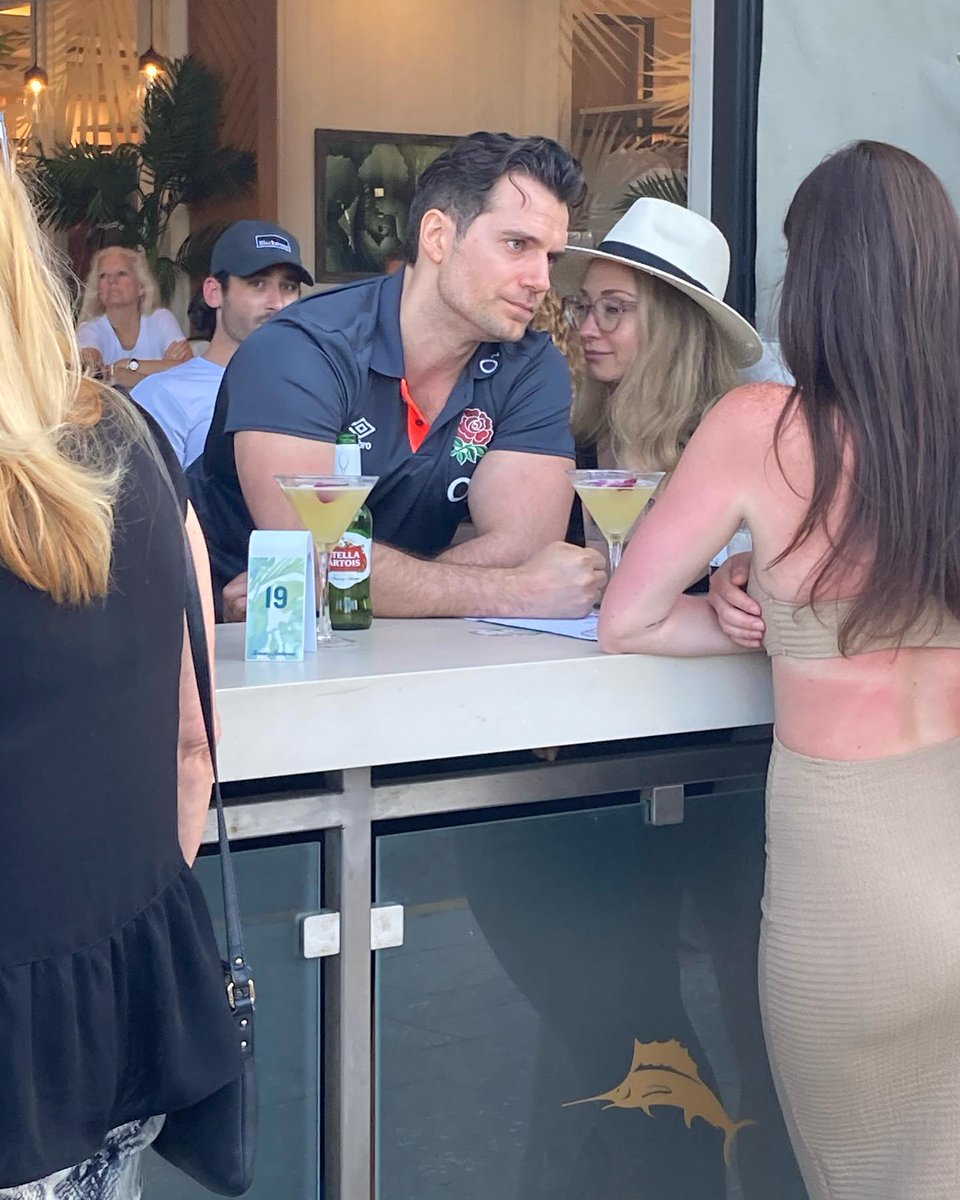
pixel 489 550
pixel 404 586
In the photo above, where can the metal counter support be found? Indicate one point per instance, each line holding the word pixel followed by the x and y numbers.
pixel 349 811
pixel 347 991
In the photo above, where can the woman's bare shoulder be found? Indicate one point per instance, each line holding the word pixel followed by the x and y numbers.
pixel 754 398
pixel 751 410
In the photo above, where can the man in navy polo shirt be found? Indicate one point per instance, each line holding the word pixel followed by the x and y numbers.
pixel 457 406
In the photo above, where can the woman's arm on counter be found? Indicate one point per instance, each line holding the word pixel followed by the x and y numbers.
pixel 703 504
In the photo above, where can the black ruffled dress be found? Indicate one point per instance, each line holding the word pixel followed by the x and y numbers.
pixel 112 1005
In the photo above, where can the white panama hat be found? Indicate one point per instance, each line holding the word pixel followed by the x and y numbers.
pixel 680 247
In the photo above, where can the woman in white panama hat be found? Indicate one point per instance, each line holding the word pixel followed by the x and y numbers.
pixel 659 342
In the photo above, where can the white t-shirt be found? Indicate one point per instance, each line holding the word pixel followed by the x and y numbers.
pixel 158 331
pixel 182 400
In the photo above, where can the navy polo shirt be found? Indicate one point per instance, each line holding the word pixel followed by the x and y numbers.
pixel 334 362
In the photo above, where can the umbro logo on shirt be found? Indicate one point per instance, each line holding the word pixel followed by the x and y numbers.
pixel 363 429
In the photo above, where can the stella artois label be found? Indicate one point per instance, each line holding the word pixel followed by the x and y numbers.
pixel 350 560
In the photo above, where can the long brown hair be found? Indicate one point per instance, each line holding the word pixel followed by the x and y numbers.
pixel 870 328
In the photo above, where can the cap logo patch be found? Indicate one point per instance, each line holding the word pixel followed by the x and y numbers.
pixel 272 241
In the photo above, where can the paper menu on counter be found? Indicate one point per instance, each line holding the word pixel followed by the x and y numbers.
pixel 582 628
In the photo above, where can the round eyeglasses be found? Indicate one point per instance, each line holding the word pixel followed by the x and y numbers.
pixel 607 311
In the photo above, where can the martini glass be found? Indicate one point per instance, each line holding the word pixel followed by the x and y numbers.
pixel 615 500
pixel 326 504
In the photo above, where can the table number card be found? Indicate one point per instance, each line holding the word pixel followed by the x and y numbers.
pixel 281 596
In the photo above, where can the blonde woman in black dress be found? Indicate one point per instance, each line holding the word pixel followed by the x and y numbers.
pixel 112 1005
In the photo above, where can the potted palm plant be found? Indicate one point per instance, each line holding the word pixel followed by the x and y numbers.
pixel 126 194
pixel 638 148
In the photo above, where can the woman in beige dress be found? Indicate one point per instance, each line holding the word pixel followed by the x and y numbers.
pixel 848 483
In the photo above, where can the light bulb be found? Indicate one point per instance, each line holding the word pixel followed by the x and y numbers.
pixel 151 64
pixel 35 80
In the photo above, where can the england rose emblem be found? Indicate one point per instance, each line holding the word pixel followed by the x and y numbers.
pixel 473 436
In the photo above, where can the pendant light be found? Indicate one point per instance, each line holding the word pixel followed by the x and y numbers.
pixel 34 78
pixel 150 63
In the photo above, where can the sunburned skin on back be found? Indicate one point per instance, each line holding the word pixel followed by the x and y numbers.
pixel 863 706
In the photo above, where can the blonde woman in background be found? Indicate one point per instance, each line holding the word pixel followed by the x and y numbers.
pixel 124 334
pixel 659 344
pixel 112 1004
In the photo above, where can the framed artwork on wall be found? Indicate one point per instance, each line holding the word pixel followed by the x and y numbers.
pixel 364 182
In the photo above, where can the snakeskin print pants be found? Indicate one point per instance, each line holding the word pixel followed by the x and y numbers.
pixel 115 1172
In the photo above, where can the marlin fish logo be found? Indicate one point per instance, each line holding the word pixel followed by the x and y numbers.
pixel 664 1073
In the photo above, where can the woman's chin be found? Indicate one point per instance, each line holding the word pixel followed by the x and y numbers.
pixel 603 372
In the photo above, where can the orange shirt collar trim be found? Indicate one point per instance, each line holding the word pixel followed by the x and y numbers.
pixel 417 424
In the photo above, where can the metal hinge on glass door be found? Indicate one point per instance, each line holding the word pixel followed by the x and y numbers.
pixel 663 805
pixel 320 931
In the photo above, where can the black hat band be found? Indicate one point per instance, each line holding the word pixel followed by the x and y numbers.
pixel 643 258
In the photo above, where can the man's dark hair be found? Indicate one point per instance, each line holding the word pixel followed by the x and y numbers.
pixel 460 180
pixel 202 318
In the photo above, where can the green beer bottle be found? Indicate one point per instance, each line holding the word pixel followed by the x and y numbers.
pixel 350 606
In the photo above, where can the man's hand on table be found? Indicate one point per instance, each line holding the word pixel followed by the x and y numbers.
pixel 235 599
pixel 561 580
pixel 739 615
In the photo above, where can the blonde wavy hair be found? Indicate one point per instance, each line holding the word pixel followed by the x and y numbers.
pixel 59 473
pixel 682 368
pixel 90 306
pixel 551 317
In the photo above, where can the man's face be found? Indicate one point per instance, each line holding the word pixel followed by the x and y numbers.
pixel 496 275
pixel 247 301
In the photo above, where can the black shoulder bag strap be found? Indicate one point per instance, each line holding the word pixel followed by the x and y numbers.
pixel 240 987
pixel 214 1141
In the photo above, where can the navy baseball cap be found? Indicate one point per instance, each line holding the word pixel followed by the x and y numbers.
pixel 246 247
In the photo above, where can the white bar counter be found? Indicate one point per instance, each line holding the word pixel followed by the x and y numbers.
pixel 425 689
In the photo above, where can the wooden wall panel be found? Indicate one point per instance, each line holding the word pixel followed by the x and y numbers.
pixel 238 40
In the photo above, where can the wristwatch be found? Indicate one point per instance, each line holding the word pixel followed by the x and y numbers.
pixel 133 364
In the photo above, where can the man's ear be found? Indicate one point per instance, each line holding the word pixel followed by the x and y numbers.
pixel 212 292
pixel 437 233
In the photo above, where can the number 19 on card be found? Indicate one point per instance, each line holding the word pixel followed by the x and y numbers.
pixel 281 603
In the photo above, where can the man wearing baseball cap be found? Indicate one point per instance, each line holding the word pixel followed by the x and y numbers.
pixel 255 270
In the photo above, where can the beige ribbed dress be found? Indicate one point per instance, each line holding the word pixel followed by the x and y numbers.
pixel 860 950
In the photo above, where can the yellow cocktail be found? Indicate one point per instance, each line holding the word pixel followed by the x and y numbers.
pixel 326 504
pixel 615 500
pixel 326 513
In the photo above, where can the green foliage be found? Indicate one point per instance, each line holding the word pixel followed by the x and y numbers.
pixel 132 190
pixel 660 183
pixel 193 257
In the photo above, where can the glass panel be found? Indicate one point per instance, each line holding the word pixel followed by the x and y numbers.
pixel 573 992
pixel 275 885
pixel 630 103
